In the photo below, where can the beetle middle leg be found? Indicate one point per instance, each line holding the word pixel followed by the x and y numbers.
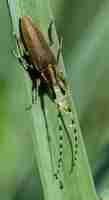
pixel 19 58
pixel 23 59
pixel 59 50
pixel 20 54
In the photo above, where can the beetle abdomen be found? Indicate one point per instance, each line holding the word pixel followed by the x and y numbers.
pixel 35 43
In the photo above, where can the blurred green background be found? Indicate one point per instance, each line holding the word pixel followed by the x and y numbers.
pixel 84 26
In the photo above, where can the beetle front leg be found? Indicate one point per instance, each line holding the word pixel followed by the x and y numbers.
pixel 51 42
pixel 50 28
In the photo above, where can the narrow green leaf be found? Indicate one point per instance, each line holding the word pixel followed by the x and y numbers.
pixel 79 183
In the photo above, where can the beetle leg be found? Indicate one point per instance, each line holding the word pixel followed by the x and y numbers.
pixel 35 86
pixel 50 27
pixel 20 59
pixel 33 89
pixel 52 92
pixel 37 82
pixel 61 82
pixel 21 53
pixel 19 46
pixel 59 49
pixel 51 42
pixel 60 76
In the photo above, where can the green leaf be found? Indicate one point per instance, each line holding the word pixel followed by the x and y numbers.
pixel 79 183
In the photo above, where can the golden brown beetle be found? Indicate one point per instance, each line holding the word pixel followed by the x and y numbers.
pixel 37 57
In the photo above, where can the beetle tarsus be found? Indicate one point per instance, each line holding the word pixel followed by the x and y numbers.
pixel 28 107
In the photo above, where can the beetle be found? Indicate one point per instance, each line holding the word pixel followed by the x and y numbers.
pixel 37 58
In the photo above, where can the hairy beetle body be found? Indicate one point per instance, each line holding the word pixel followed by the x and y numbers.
pixel 39 53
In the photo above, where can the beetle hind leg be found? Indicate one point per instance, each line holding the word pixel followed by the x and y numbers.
pixel 34 94
pixel 35 90
pixel 61 82
pixel 37 82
